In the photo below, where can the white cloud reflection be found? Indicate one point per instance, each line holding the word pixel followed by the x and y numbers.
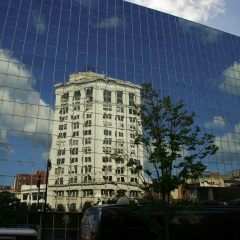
pixel 194 10
pixel 231 83
pixel 217 122
pixel 22 108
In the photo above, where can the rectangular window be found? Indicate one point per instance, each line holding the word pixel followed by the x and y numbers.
pixel 107 150
pixel 73 151
pixel 87 132
pixel 121 179
pixel 87 159
pixel 76 108
pixel 132 135
pixel 77 94
pixel 59 193
pixel 87 150
pixel 61 152
pixel 75 134
pixel 87 140
pixel 120 161
pixel 120 118
pixel 63 110
pixel 75 125
pixel 120 109
pixel 59 170
pixel 107 108
pixel 107 141
pixel 131 99
pixel 87 193
pixel 64 99
pixel 72 193
pixel 120 170
pixel 89 94
pixel 106 159
pixel 132 119
pixel 132 111
pixel 72 180
pixel 88 168
pixel 62 135
pixel 72 169
pixel 72 160
pixel 88 123
pixel 106 96
pixel 107 132
pixel 133 180
pixel 75 117
pixel 107 178
pixel 106 168
pixel 120 97
pixel 61 181
pixel 120 134
pixel 87 178
pixel 73 142
pixel 134 193
pixel 89 115
pixel 89 91
pixel 60 160
pixel 107 116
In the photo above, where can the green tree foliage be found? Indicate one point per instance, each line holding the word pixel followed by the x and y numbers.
pixel 12 211
pixel 173 146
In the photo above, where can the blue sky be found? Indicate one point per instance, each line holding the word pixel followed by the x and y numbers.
pixel 220 14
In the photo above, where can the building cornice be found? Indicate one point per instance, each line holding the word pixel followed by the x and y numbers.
pixel 95 79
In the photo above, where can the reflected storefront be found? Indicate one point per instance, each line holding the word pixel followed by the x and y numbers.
pixel 47 112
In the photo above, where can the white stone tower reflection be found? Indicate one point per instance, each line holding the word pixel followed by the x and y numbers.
pixel 94 117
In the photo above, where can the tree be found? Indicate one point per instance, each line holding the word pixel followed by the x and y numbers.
pixel 173 146
pixel 12 211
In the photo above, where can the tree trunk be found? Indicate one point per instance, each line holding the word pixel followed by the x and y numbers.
pixel 166 217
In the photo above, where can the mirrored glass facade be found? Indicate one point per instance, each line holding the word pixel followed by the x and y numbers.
pixel 70 73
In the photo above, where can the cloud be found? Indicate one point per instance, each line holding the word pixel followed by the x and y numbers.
pixel 229 147
pixel 4 143
pixel 22 109
pixel 46 155
pixel 194 10
pixel 231 80
pixel 111 22
pixel 217 122
pixel 39 22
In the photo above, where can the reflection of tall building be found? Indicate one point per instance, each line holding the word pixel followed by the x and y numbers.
pixel 94 117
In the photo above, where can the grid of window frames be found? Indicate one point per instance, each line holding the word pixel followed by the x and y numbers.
pixel 43 42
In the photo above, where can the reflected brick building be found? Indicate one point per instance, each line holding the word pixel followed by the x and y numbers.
pixel 28 179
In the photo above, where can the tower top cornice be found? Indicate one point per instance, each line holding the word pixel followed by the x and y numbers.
pixel 91 77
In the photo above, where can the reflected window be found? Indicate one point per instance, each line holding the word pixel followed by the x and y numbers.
pixel 106 96
pixel 89 94
pixel 131 99
pixel 120 97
